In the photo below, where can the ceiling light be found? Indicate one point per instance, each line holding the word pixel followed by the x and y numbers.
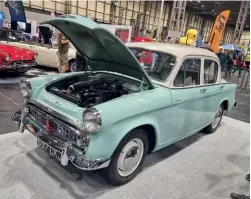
pixel 198 1
pixel 202 6
pixel 213 10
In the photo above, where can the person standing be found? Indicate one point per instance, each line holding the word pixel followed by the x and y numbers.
pixel 230 63
pixel 63 48
pixel 223 60
pixel 247 60
pixel 240 60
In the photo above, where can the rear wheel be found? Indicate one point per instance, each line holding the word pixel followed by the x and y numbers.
pixel 211 128
pixel 127 160
pixel 72 66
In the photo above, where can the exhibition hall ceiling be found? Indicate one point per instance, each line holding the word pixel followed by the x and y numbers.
pixel 212 8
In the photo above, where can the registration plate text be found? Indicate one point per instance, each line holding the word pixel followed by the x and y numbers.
pixel 49 149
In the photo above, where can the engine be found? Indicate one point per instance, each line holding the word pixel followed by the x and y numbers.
pixel 100 93
pixel 94 91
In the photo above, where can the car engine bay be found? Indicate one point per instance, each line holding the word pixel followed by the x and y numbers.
pixel 87 91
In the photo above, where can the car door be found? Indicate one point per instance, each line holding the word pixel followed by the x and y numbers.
pixel 47 56
pixel 188 97
pixel 211 71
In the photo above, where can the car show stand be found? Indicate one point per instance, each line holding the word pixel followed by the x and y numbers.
pixel 201 166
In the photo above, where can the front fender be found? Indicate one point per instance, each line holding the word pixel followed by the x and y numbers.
pixel 121 115
pixel 38 83
pixel 104 143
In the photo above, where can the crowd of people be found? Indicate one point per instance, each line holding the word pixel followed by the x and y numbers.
pixel 231 61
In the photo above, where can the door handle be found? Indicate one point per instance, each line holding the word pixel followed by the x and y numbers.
pixel 203 90
pixel 221 87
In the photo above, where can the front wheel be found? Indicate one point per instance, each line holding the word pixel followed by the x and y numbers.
pixel 211 128
pixel 127 160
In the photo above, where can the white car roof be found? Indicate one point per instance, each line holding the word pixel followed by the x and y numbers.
pixel 175 49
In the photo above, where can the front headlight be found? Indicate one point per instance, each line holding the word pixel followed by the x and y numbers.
pixel 92 120
pixel 7 58
pixel 25 87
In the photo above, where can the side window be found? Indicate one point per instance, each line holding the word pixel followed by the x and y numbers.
pixel 210 71
pixel 189 73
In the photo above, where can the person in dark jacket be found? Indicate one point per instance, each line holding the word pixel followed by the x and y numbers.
pixel 230 63
pixel 240 61
pixel 223 60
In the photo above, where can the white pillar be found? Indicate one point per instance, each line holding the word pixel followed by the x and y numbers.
pixel 160 17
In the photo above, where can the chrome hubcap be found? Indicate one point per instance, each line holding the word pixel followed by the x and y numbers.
pixel 217 118
pixel 130 157
pixel 73 67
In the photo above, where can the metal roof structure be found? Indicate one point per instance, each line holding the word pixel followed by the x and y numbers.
pixel 210 10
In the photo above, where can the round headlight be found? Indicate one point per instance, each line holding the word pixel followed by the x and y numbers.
pixel 7 58
pixel 92 120
pixel 25 87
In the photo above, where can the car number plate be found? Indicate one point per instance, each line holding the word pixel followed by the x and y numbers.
pixel 54 152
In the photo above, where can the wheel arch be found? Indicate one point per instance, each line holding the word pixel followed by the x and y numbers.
pixel 225 104
pixel 71 60
pixel 149 128
pixel 115 135
pixel 151 135
pixel 69 63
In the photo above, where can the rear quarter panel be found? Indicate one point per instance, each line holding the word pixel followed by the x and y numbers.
pixel 228 93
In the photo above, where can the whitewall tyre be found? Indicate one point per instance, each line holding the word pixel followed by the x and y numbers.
pixel 73 66
pixel 211 128
pixel 128 158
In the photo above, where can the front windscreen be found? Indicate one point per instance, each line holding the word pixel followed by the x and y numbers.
pixel 158 65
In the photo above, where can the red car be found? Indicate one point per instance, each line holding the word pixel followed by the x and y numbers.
pixel 14 59
pixel 141 39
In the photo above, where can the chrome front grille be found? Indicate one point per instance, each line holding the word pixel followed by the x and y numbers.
pixel 52 125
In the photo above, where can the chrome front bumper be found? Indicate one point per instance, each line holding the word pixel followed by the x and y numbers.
pixel 14 66
pixel 64 149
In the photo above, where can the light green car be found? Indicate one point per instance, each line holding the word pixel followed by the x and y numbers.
pixel 131 101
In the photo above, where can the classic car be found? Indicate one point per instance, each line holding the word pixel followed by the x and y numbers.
pixel 111 116
pixel 47 54
pixel 14 59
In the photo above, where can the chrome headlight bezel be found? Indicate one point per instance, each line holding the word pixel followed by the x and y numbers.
pixel 25 87
pixel 7 58
pixel 92 120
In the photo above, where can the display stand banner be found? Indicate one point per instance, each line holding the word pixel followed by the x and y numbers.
pixel 16 10
pixel 218 30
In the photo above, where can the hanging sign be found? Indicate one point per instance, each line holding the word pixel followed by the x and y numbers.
pixel 16 10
